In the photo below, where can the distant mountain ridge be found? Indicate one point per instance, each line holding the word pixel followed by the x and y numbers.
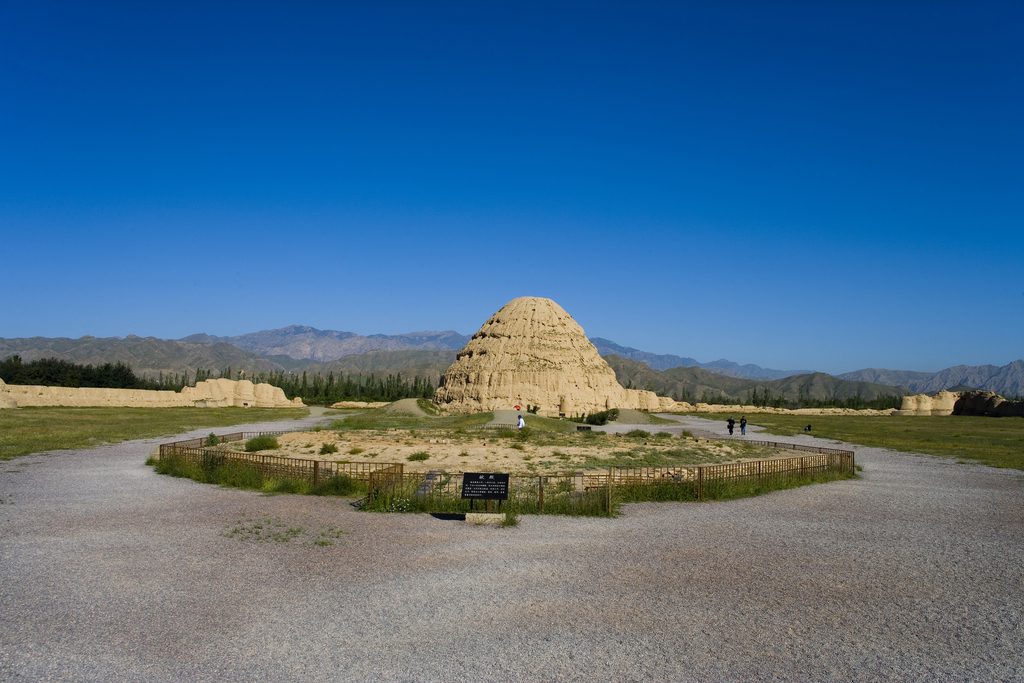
pixel 302 342
pixel 728 368
pixel 300 348
pixel 694 383
pixel 1007 380
pixel 146 355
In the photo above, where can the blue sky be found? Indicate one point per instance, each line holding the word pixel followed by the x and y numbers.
pixel 814 185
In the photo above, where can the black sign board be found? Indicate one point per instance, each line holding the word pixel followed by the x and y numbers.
pixel 479 486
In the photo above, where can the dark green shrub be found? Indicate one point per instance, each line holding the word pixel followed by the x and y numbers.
pixel 328 448
pixel 212 440
pixel 603 417
pixel 523 434
pixel 638 434
pixel 419 457
pixel 261 443
pixel 289 486
pixel 339 485
pixel 236 475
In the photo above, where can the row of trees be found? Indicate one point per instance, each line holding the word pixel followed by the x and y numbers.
pixel 765 398
pixel 54 372
pixel 320 389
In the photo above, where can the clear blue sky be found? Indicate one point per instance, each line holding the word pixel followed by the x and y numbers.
pixel 794 184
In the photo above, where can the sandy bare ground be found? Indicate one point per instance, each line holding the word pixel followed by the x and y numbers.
pixel 914 572
pixel 483 452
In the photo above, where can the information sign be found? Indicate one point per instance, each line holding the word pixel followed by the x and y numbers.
pixel 478 486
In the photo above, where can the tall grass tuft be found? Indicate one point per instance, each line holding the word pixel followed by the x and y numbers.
pixel 261 443
pixel 339 485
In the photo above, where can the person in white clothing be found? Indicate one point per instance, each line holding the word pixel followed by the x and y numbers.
pixel 522 423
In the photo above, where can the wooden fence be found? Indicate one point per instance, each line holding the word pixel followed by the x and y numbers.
pixel 313 471
pixel 390 477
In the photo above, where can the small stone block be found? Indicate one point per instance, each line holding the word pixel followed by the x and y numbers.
pixel 485 517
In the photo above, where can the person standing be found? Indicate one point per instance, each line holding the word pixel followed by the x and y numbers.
pixel 522 422
pixel 732 423
pixel 743 425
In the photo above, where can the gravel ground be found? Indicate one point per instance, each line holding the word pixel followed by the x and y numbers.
pixel 110 572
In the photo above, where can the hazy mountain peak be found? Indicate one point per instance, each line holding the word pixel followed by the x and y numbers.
pixel 667 361
pixel 303 342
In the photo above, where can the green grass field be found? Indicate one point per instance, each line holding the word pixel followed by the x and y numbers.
pixel 995 441
pixel 32 430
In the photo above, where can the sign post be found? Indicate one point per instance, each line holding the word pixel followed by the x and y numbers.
pixel 485 486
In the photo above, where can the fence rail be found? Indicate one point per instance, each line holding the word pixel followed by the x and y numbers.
pixel 562 488
pixel 196 450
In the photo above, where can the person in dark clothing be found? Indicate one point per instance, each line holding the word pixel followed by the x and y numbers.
pixel 807 428
pixel 732 423
pixel 743 425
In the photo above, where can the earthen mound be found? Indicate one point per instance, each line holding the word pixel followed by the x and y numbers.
pixel 987 403
pixel 5 397
pixel 531 352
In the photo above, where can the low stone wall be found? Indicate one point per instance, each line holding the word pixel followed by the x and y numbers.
pixel 213 393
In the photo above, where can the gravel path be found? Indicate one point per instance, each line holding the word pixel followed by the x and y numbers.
pixel 110 572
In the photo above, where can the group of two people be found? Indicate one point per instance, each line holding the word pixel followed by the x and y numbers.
pixel 732 423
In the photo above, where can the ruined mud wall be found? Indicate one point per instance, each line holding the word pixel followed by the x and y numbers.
pixel 213 393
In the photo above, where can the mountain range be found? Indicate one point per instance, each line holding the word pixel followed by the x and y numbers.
pixel 300 348
pixel 301 342
pixel 668 361
pixel 694 384
pixel 1007 380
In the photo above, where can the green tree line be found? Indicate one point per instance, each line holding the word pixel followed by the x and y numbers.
pixel 765 398
pixel 54 372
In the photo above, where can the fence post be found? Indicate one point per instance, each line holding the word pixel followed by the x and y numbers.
pixel 700 483
pixel 609 491
pixel 316 473
pixel 540 493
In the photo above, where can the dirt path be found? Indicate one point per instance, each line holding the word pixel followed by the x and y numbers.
pixel 111 572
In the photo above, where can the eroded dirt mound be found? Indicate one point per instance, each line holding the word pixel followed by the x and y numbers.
pixel 531 352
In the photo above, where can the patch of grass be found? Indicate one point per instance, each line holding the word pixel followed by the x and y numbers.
pixel 523 434
pixel 428 407
pixel 994 441
pixel 261 443
pixel 33 430
pixel 518 447
pixel 265 529
pixel 511 518
pixel 550 424
pixel 637 434
pixel 339 485
pixel 328 448
pixel 356 451
pixel 726 489
pixel 381 418
pixel 419 457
